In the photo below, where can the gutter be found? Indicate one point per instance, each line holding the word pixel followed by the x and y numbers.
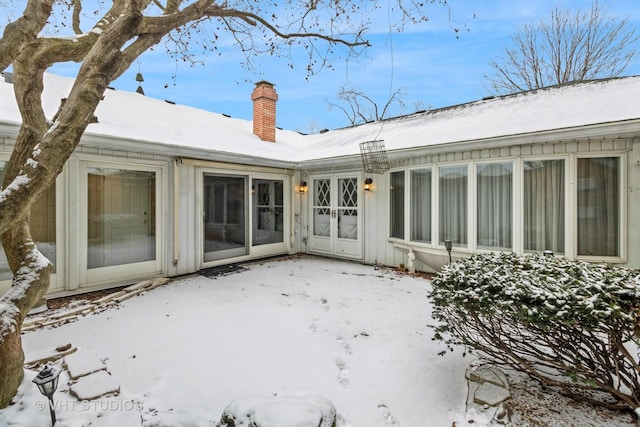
pixel 626 129
pixel 623 130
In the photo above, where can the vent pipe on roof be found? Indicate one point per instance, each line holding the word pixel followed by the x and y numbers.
pixel 264 98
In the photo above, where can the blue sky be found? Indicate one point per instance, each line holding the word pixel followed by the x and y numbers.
pixel 432 66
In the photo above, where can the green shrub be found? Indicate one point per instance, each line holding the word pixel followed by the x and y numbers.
pixel 569 324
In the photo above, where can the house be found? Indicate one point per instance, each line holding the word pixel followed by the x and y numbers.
pixel 158 189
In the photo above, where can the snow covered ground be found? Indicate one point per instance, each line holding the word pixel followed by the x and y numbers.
pixel 350 333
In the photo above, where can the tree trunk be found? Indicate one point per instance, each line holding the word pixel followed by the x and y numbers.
pixel 11 365
pixel 32 273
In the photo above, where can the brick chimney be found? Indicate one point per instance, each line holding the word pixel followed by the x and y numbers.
pixel 264 98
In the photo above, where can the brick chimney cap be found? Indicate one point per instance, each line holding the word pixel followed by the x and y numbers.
pixel 264 82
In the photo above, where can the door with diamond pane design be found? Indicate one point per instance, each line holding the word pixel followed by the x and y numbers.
pixel 336 227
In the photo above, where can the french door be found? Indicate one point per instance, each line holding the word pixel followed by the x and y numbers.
pixel 336 223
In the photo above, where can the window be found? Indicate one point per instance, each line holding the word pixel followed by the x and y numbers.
pixel 598 188
pixel 421 205
pixel 494 205
pixel 396 196
pixel 535 196
pixel 121 225
pixel 452 189
pixel 42 225
pixel 544 201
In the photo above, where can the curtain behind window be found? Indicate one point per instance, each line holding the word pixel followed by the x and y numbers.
pixel 453 204
pixel 421 205
pixel 396 198
pixel 544 200
pixel 598 206
pixel 495 195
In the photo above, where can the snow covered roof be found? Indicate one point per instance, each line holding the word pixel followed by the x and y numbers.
pixel 562 108
pixel 131 116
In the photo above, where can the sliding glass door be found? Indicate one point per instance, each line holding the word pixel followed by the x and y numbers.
pixel 122 225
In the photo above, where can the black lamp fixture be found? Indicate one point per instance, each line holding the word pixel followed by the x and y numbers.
pixel 47 382
pixel 368 184
pixel 303 187
pixel 448 245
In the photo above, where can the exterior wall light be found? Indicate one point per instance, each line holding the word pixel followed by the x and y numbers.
pixel 303 187
pixel 47 382
pixel 448 245
pixel 368 184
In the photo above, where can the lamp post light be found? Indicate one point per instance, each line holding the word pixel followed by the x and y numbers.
pixel 448 245
pixel 47 382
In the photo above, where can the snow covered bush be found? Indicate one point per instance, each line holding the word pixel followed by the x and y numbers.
pixel 571 325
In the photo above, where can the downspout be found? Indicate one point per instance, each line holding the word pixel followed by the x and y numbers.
pixel 176 211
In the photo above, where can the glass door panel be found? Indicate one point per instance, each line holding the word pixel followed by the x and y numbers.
pixel 348 208
pixel 321 207
pixel 268 211
pixel 121 211
pixel 225 218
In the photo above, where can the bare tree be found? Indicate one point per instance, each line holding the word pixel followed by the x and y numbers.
pixel 361 108
pixel 117 33
pixel 568 46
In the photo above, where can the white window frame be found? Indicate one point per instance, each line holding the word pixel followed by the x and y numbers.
pixel 623 228
pixel 254 251
pixel 568 208
pixel 570 203
pixel 514 206
pixel 277 247
pixel 57 280
pixel 126 272
pixel 432 205
pixel 471 182
pixel 405 230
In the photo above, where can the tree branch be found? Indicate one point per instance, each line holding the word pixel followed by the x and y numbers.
pixel 23 30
